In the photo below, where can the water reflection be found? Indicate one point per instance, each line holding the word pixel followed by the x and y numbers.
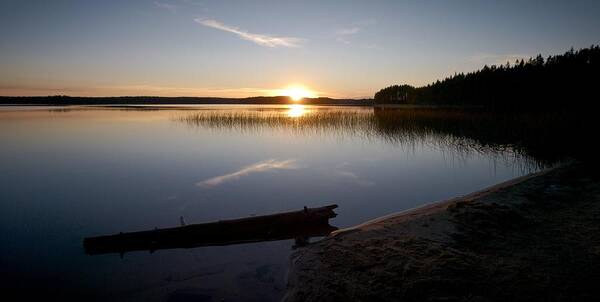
pixel 459 131
pixel 136 169
pixel 263 166
pixel 296 110
pixel 342 171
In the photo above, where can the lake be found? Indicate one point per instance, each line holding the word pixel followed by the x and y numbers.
pixel 74 172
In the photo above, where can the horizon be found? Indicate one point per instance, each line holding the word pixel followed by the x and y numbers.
pixel 340 50
pixel 292 100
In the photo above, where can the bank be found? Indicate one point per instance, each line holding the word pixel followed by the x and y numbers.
pixel 534 238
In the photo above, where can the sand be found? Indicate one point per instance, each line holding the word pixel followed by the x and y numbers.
pixel 535 238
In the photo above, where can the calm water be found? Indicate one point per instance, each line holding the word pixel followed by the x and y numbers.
pixel 71 173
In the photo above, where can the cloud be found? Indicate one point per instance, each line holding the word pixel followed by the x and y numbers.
pixel 348 31
pixel 353 177
pixel 341 172
pixel 342 34
pixel 168 6
pixel 263 166
pixel 260 39
pixel 192 2
pixel 371 46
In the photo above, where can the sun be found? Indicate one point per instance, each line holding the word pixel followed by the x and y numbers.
pixel 297 93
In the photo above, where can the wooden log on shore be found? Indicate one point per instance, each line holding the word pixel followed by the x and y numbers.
pixel 309 222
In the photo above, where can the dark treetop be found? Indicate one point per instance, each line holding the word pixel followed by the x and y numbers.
pixel 562 81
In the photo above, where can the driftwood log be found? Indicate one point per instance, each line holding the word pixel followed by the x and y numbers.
pixel 301 225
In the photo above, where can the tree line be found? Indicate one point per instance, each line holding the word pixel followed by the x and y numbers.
pixel 63 100
pixel 562 81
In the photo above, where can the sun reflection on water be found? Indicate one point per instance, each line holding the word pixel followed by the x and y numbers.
pixel 296 110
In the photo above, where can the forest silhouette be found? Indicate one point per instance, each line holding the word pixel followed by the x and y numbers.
pixel 557 82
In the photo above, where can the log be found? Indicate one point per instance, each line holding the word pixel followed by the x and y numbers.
pixel 309 222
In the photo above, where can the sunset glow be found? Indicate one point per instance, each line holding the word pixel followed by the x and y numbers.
pixel 215 143
pixel 296 110
pixel 297 93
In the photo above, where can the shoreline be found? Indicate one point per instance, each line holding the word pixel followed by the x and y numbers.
pixel 540 231
pixel 189 100
pixel 440 205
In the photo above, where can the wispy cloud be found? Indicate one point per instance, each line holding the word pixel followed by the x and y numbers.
pixel 345 34
pixel 353 177
pixel 260 39
pixel 193 2
pixel 168 6
pixel 263 166
pixel 348 31
pixel 342 34
pixel 371 46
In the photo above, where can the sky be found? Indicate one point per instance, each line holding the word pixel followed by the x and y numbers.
pixel 341 49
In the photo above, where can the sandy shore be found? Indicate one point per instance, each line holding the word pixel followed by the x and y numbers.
pixel 533 238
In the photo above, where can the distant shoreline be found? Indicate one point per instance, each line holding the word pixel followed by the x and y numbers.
pixel 155 100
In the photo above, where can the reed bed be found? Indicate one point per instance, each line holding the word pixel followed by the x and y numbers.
pixel 545 138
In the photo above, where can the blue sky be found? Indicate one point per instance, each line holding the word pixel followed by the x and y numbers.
pixel 244 48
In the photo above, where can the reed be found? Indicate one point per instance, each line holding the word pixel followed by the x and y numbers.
pixel 545 137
